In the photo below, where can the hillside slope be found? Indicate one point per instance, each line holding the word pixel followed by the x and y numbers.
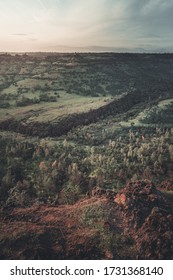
pixel 135 223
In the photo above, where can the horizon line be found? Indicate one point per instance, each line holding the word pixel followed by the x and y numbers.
pixel 87 52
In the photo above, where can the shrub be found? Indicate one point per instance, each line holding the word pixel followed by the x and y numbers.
pixel 27 101
pixel 46 98
pixel 4 105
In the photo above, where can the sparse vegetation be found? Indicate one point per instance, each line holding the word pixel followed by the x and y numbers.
pixel 70 123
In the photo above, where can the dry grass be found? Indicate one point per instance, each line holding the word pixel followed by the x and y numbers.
pixel 66 105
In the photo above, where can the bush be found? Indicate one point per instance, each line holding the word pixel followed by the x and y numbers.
pixel 94 94
pixel 46 98
pixel 27 101
pixel 4 105
pixel 71 193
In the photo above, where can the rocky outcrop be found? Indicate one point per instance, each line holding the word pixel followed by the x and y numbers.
pixel 135 223
pixel 98 192
pixel 147 217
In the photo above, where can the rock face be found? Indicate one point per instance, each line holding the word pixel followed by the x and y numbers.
pixel 147 217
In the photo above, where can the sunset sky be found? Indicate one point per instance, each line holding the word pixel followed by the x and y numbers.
pixel 57 25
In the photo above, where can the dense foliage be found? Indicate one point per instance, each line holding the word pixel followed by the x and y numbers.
pixel 63 171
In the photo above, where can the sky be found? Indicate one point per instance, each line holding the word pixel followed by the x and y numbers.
pixel 86 25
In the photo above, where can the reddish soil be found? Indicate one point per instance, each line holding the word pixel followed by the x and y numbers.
pixel 45 232
pixel 139 220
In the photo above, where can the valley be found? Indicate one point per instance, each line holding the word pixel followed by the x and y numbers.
pixel 80 134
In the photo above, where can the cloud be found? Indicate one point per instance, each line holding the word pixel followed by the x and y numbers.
pixel 153 19
pixel 107 23
pixel 32 39
pixel 19 34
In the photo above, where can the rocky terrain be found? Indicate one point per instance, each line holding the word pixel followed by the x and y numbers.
pixel 136 223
